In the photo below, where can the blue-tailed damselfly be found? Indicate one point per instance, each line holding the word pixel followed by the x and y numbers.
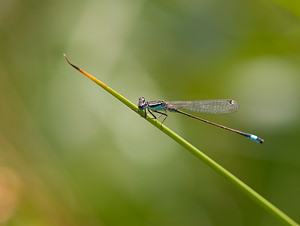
pixel 222 106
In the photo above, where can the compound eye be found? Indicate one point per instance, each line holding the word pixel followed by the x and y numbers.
pixel 141 103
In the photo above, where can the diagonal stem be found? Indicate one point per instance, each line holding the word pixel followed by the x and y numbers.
pixel 192 149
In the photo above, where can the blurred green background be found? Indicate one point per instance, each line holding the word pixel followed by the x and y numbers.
pixel 71 154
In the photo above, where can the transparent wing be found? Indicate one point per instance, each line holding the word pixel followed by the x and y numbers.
pixel 206 106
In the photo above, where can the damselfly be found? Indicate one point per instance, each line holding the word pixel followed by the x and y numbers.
pixel 202 106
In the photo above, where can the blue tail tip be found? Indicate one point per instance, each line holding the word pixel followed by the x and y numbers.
pixel 256 138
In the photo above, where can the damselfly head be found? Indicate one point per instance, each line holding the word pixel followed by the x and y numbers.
pixel 141 103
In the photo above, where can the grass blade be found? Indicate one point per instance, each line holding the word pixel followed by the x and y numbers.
pixel 192 149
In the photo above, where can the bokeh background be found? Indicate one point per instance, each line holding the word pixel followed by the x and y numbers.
pixel 71 154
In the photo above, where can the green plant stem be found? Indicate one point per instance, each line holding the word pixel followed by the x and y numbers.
pixel 211 163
